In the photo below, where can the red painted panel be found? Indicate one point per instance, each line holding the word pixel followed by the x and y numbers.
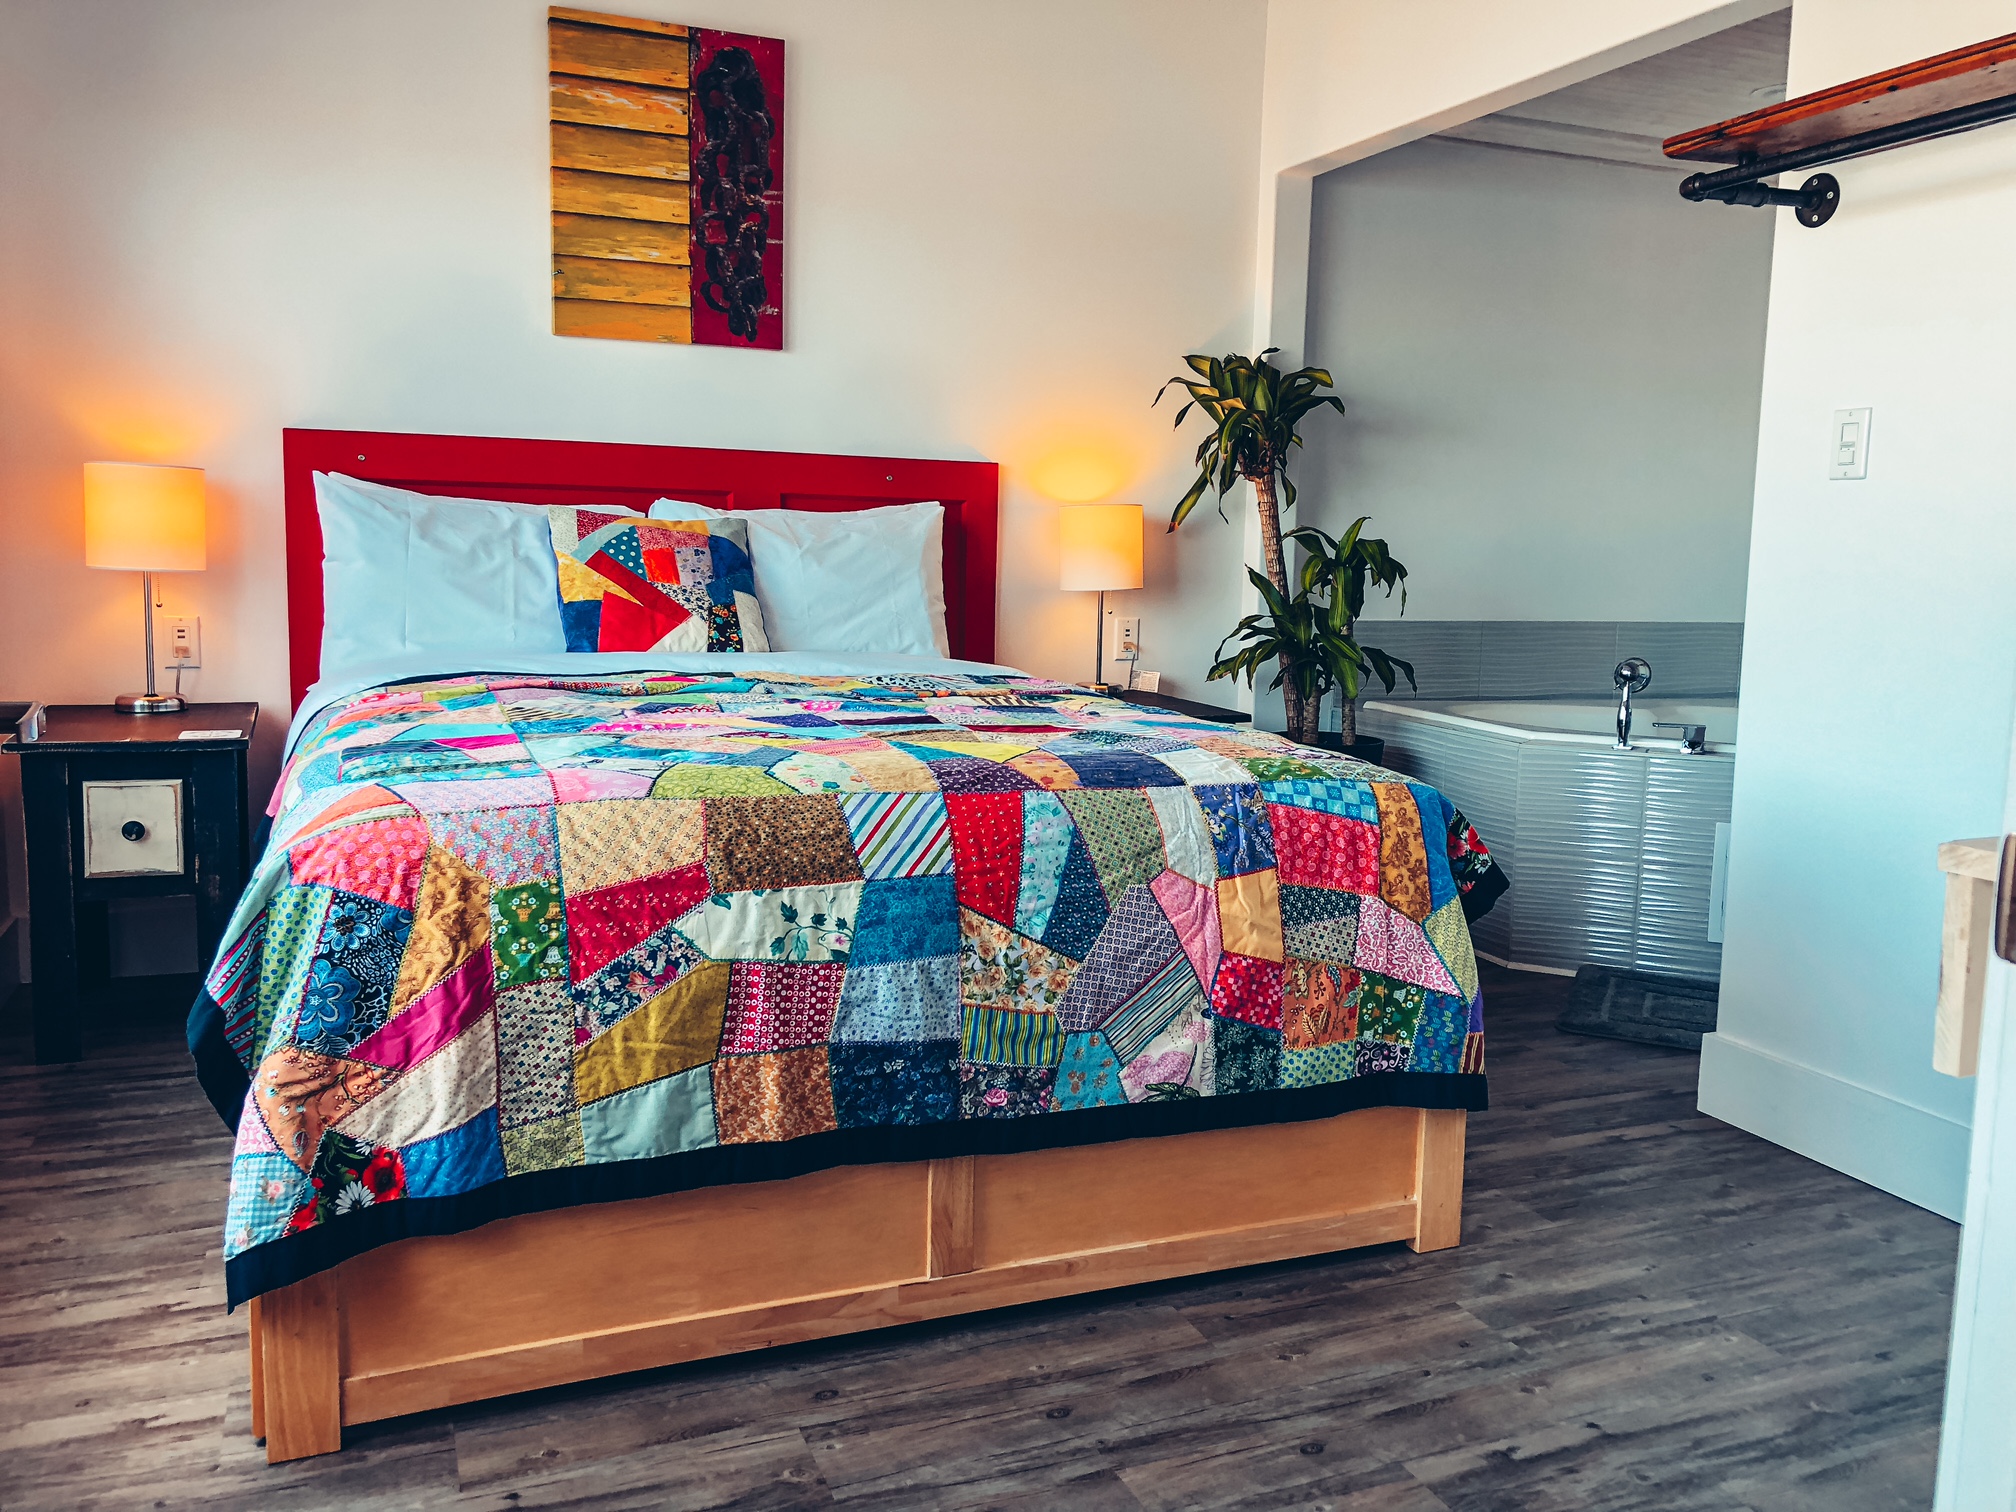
pixel 597 472
pixel 738 190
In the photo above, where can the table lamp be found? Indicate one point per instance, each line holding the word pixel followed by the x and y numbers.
pixel 143 518
pixel 1101 551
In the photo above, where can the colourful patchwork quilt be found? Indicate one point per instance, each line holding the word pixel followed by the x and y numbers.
pixel 520 942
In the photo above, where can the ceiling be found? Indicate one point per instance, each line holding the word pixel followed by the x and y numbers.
pixel 1622 116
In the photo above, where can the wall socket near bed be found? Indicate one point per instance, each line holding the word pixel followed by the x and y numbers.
pixel 1126 637
pixel 181 641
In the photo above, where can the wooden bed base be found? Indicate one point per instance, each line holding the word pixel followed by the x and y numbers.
pixel 579 1293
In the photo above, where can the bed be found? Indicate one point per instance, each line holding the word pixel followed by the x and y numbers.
pixel 897 989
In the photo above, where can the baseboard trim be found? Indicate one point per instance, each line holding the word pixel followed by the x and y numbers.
pixel 1561 971
pixel 1892 1145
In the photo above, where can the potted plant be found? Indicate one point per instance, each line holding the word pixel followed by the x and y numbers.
pixel 1312 633
pixel 1254 409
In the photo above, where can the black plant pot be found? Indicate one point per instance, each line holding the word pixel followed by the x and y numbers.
pixel 1366 748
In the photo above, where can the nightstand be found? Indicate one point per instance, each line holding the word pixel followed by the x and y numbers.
pixel 1172 705
pixel 120 806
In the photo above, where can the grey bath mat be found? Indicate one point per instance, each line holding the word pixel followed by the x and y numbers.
pixel 1640 1005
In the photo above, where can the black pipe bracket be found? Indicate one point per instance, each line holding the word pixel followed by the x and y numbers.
pixel 1815 201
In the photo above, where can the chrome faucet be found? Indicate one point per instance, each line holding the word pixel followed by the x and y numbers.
pixel 1693 737
pixel 1633 675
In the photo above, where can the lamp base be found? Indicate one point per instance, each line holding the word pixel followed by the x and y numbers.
pixel 148 703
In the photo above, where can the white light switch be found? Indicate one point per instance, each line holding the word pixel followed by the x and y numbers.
pixel 1849 457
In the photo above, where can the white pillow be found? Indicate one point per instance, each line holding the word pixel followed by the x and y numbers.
pixel 860 580
pixel 412 572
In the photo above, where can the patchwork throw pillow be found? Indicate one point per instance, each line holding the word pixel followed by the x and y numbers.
pixel 633 584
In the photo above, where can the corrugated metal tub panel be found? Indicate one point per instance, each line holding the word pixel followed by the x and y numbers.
pixel 1685 797
pixel 1578 832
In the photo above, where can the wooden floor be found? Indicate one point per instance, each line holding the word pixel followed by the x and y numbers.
pixel 1650 1310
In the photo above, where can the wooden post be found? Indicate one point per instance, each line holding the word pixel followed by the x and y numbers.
pixel 1970 867
pixel 950 1234
pixel 301 1374
pixel 253 1313
pixel 1438 1180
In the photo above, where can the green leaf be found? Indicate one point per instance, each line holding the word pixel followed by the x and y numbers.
pixel 1189 500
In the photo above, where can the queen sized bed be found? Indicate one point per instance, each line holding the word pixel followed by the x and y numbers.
pixel 596 1013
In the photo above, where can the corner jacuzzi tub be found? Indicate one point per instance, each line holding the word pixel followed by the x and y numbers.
pixel 1611 854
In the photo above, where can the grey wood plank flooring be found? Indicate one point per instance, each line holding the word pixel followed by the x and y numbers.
pixel 1649 1310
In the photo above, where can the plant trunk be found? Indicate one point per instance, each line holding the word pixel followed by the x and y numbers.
pixel 1348 707
pixel 1277 573
pixel 1309 730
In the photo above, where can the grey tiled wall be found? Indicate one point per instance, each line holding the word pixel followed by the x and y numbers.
pixel 1557 658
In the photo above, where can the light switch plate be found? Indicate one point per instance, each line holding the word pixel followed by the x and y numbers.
pixel 1848 444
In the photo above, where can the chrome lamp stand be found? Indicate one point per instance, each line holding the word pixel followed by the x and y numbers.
pixel 149 702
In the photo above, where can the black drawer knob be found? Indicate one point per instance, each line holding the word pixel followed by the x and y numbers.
pixel 133 829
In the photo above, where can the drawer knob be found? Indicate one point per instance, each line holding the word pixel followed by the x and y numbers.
pixel 133 829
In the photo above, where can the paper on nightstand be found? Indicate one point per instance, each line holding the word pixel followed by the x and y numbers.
pixel 211 735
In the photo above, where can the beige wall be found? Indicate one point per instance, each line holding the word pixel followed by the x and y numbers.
pixel 223 217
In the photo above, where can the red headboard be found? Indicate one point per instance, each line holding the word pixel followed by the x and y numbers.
pixel 590 472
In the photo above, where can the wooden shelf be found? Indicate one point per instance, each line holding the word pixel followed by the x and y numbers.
pixel 1965 76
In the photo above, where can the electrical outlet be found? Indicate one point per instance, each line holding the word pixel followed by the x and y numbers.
pixel 182 641
pixel 1127 637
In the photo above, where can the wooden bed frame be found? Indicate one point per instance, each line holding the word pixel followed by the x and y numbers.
pixel 574 1294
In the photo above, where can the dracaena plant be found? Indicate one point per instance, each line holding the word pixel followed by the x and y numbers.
pixel 1254 409
pixel 1311 633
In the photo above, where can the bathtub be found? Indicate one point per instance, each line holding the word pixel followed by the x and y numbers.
pixel 1613 855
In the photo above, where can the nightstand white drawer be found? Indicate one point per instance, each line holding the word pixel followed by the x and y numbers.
pixel 133 829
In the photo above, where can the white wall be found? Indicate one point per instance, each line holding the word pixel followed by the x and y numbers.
pixel 1977 1453
pixel 1880 641
pixel 1347 80
pixel 223 217
pixel 1551 370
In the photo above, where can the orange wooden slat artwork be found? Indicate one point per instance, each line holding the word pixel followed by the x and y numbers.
pixel 603 149
pixel 632 107
pixel 622 322
pixel 622 282
pixel 597 52
pixel 626 240
pixel 621 196
pixel 620 23
pixel 625 199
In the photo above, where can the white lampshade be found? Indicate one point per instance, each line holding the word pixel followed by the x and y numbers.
pixel 140 517
pixel 1101 546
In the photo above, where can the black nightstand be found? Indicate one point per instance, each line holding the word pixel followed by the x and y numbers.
pixel 119 806
pixel 1173 705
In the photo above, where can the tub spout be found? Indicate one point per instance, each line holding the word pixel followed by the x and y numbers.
pixel 1633 675
pixel 1693 738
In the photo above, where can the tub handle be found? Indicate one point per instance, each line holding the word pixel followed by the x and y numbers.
pixel 1693 738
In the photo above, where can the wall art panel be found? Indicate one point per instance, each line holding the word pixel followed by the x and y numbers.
pixel 668 181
